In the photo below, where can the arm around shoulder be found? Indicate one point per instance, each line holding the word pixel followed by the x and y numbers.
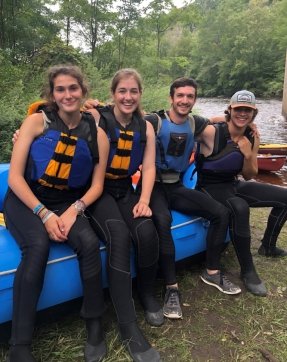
pixel 218 118
pixel 206 139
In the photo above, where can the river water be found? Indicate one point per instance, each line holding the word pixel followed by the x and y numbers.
pixel 271 124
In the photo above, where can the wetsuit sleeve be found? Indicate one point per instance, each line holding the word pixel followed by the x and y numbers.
pixel 200 124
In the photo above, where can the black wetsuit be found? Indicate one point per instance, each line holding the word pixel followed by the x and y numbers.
pixel 168 196
pixel 112 218
pixel 223 185
pixel 32 237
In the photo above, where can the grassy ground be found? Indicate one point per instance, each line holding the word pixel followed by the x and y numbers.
pixel 215 327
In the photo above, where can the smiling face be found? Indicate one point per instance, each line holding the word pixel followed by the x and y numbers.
pixel 67 93
pixel 241 116
pixel 127 96
pixel 183 100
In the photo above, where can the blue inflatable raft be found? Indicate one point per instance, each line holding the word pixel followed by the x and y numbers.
pixel 62 281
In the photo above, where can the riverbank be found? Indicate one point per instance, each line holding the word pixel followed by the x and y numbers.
pixel 215 327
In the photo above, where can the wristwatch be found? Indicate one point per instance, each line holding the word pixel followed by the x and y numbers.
pixel 80 206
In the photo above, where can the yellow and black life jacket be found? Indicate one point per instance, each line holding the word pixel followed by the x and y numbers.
pixel 127 144
pixel 63 158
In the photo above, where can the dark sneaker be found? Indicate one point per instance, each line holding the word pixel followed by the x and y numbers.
pixel 273 251
pixel 95 353
pixel 151 355
pixel 155 319
pixel 152 309
pixel 220 281
pixel 171 306
pixel 20 353
pixel 136 343
pixel 254 284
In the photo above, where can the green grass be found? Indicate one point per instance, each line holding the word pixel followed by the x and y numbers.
pixel 215 327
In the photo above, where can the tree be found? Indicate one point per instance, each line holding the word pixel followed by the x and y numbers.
pixel 25 26
pixel 159 22
pixel 128 13
pixel 94 19
pixel 230 53
pixel 56 52
pixel 69 11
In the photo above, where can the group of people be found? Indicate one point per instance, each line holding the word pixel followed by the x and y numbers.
pixel 68 163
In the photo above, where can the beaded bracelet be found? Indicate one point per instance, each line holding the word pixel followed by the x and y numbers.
pixel 47 216
pixel 43 212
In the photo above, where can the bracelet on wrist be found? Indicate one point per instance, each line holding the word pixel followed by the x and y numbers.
pixel 47 216
pixel 38 208
pixel 43 212
pixel 80 206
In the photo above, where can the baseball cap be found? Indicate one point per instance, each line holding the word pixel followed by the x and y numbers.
pixel 243 98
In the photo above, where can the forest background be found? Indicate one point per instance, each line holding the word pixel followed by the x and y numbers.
pixel 226 45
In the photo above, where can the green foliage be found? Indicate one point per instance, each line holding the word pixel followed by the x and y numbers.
pixel 179 67
pixel 225 44
pixel 280 26
pixel 25 26
pixel 230 52
pixel 10 120
pixel 57 52
pixel 155 97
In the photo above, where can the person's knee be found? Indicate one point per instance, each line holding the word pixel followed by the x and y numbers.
pixel 219 215
pixel 147 243
pixel 38 244
pixel 163 224
pixel 35 255
pixel 223 212
pixel 240 213
pixel 162 220
pixel 119 245
pixel 86 242
pixel 239 207
pixel 88 251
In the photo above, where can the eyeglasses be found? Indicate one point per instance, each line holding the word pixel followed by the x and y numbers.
pixel 243 109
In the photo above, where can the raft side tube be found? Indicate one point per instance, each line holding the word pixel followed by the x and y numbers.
pixel 62 280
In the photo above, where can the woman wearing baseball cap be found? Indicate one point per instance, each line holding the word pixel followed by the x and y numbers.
pixel 234 152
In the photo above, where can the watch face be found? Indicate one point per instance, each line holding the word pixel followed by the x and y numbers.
pixel 79 206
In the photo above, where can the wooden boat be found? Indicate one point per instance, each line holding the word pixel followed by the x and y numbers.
pixel 62 281
pixel 273 148
pixel 268 162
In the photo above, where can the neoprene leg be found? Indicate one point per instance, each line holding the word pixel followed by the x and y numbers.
pixel 120 283
pixel 265 195
pixel 146 241
pixel 85 243
pixel 34 243
pixel 215 246
pixel 276 220
pixel 27 287
pixel 240 232
pixel 162 220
